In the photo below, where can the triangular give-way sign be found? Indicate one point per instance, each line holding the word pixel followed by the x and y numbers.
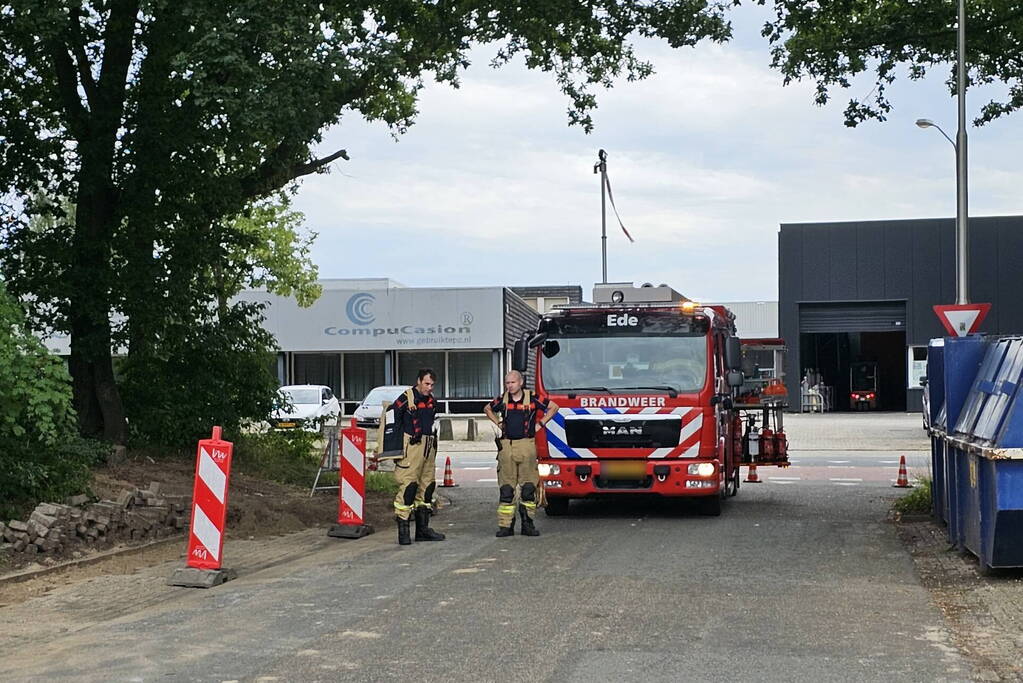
pixel 961 319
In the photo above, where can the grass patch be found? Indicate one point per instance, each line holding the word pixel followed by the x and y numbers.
pixel 382 482
pixel 287 457
pixel 917 501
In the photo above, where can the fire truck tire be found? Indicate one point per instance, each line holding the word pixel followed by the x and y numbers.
pixel 556 506
pixel 710 506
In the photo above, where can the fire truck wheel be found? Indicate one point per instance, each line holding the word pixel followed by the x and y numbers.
pixel 556 506
pixel 710 506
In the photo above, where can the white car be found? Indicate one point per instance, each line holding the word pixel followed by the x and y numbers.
pixel 368 412
pixel 307 406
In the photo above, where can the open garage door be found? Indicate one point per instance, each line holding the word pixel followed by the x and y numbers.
pixel 858 316
pixel 835 336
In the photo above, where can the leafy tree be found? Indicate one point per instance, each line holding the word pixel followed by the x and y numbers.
pixel 41 455
pixel 834 42
pixel 225 348
pixel 213 368
pixel 159 118
pixel 266 247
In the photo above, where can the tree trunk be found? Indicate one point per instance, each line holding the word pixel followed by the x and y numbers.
pixel 95 125
pixel 96 396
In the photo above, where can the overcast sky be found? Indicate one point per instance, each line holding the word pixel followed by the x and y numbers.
pixel 706 159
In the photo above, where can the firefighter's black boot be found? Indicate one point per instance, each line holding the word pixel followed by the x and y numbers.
pixel 527 523
pixel 504 531
pixel 403 532
pixel 423 530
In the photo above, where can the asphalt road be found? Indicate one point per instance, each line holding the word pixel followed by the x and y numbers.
pixel 805 581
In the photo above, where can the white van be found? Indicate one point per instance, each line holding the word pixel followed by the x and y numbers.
pixel 368 412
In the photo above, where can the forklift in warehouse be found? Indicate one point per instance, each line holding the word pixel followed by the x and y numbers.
pixel 863 385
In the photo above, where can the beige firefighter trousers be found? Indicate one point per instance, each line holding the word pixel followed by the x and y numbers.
pixel 516 466
pixel 416 476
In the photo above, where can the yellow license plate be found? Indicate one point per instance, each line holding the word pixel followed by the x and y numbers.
pixel 285 425
pixel 623 470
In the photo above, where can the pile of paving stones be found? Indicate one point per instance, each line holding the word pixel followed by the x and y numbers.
pixel 136 515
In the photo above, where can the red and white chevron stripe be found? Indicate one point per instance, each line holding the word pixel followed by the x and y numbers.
pixel 209 502
pixel 352 489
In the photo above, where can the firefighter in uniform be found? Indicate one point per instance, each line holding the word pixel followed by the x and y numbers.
pixel 521 414
pixel 415 472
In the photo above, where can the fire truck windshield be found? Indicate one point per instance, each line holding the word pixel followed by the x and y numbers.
pixel 625 362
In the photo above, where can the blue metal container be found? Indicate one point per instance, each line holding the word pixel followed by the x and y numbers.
pixel 962 359
pixel 983 448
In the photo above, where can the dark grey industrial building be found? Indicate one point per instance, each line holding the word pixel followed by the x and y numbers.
pixel 863 291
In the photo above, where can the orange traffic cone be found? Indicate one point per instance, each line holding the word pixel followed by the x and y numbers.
pixel 449 480
pixel 751 476
pixel 903 481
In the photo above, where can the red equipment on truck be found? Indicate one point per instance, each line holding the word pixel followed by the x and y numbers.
pixel 646 382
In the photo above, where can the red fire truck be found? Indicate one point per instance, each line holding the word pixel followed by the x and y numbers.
pixel 646 382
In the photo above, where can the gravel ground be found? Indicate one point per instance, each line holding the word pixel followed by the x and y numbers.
pixel 985 613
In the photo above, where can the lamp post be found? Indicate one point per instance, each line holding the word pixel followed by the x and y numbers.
pixel 601 168
pixel 960 145
pixel 962 206
pixel 961 214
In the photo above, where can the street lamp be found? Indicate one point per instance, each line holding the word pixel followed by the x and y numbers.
pixel 960 146
pixel 927 123
pixel 961 274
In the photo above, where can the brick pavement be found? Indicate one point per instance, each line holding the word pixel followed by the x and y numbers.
pixel 855 432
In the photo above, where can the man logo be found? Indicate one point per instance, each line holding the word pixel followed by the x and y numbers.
pixel 623 430
pixel 360 308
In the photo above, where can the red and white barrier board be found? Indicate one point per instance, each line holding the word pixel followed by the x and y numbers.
pixel 351 522
pixel 209 502
pixel 352 489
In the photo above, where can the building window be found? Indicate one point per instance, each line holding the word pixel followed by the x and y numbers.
pixel 409 363
pixel 549 302
pixel 318 368
pixel 545 304
pixel 471 374
pixel 917 366
pixel 363 371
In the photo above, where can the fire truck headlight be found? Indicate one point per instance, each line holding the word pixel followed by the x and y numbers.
pixel 547 470
pixel 702 469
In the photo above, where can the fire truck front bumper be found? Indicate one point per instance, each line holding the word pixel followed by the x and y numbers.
pixel 581 478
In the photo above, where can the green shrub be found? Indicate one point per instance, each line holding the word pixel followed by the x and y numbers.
pixel 288 457
pixel 917 501
pixel 42 458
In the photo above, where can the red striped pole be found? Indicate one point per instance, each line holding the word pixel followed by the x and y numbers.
pixel 351 522
pixel 209 515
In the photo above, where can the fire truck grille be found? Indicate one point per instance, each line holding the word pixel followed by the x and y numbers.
pixel 631 433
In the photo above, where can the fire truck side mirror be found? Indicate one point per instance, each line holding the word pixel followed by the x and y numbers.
pixel 520 355
pixel 733 353
pixel 735 378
